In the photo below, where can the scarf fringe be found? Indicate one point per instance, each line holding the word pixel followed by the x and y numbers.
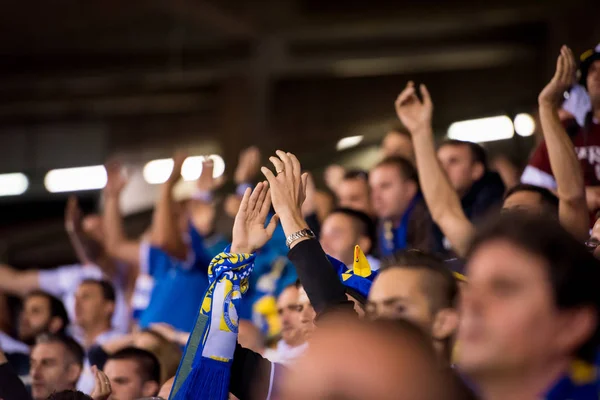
pixel 201 382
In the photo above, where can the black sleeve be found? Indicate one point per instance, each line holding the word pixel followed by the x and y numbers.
pixel 313 223
pixel 97 356
pixel 250 375
pixel 11 387
pixel 318 277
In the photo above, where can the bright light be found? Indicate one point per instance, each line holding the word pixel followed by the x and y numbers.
pixel 13 184
pixel 74 179
pixel 158 171
pixel 482 130
pixel 219 165
pixel 524 125
pixel 348 142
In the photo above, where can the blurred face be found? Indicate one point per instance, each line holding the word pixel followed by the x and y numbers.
pixel 508 297
pixel 397 293
pixel 34 319
pixel 339 236
pixel 90 306
pixel 354 194
pixel 51 370
pixel 396 144
pixel 307 314
pixel 593 83
pixel 523 200
pixel 457 161
pixel 126 382
pixel 288 310
pixel 390 192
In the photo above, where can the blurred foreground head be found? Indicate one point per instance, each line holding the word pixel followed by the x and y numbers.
pixel 352 359
pixel 531 305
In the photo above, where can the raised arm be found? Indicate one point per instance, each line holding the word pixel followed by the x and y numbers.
pixel 85 248
pixel 442 200
pixel 573 211
pixel 165 228
pixel 116 242
pixel 317 275
pixel 18 283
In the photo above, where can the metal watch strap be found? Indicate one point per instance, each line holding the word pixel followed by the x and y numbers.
pixel 299 235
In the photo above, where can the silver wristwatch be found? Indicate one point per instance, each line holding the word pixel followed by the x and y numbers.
pixel 298 235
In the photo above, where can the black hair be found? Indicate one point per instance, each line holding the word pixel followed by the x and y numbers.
pixel 357 174
pixel 362 300
pixel 365 224
pixel 69 395
pixel 148 364
pixel 441 289
pixel 405 167
pixel 57 308
pixel 549 200
pixel 478 154
pixel 108 290
pixel 73 349
pixel 399 129
pixel 573 271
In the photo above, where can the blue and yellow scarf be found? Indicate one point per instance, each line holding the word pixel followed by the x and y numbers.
pixel 204 370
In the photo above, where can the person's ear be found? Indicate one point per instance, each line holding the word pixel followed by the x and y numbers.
pixel 477 172
pixel 150 388
pixel 74 372
pixel 445 324
pixel 365 244
pixel 110 308
pixel 577 327
pixel 412 188
pixel 55 325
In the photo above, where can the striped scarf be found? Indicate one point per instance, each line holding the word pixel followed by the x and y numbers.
pixel 204 370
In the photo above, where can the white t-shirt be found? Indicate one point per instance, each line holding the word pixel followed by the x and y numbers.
pixel 63 282
pixel 285 354
pixel 86 380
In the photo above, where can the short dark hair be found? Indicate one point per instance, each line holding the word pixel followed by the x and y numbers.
pixel 69 395
pixel 148 364
pixel 573 271
pixel 57 308
pixel 549 200
pixel 406 169
pixel 73 349
pixel 363 223
pixel 441 289
pixel 400 129
pixel 478 154
pixel 356 174
pixel 108 290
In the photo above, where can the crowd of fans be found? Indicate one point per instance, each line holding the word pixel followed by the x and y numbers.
pixel 433 275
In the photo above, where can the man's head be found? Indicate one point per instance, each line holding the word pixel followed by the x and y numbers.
pixel 94 303
pixel 531 198
pixel 398 143
pixel 289 313
pixel 464 163
pixel 394 183
pixel 56 362
pixel 351 359
pixel 307 313
pixel 353 192
pixel 42 313
pixel 133 373
pixel 342 230
pixel 531 300
pixel 417 287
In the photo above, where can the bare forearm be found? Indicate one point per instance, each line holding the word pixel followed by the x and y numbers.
pixel 442 200
pixel 567 171
pixel 18 283
pixel 117 244
pixel 165 233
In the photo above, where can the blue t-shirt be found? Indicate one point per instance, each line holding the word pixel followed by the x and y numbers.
pixel 179 286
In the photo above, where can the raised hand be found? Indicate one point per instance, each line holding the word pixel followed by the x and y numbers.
pixel 115 179
pixel 249 232
pixel 412 112
pixel 206 182
pixel 102 389
pixel 73 215
pixel 563 79
pixel 248 165
pixel 178 160
pixel 288 187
